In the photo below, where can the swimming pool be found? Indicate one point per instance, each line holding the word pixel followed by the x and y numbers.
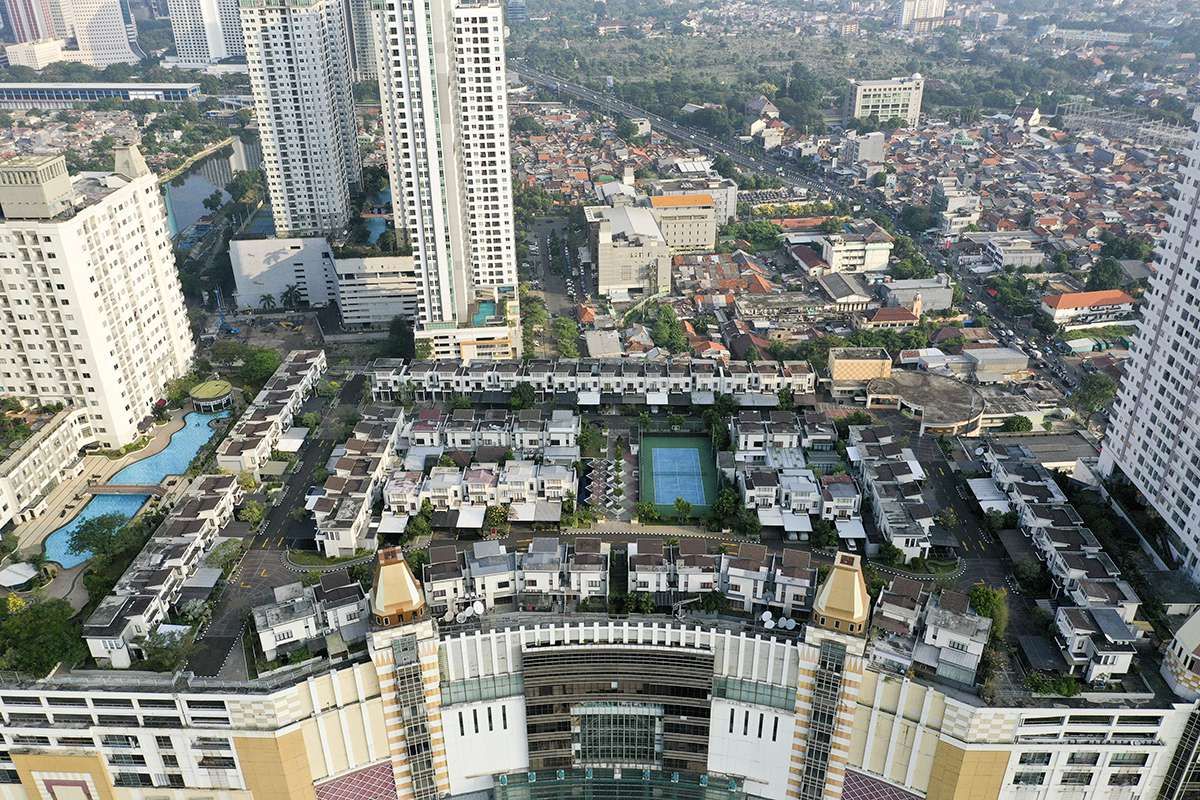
pixel 57 543
pixel 184 445
pixel 174 460
pixel 486 309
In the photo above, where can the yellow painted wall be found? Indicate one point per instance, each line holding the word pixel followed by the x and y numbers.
pixel 959 774
pixel 276 768
pixel 89 764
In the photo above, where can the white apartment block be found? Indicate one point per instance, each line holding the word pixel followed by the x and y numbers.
pixel 250 441
pixel 91 309
pixel 335 605
pixel 1154 433
pixel 860 246
pixel 885 99
pixel 442 83
pixel 373 291
pixel 723 192
pixel 104 30
pixel 206 31
pixel 41 462
pixel 957 208
pixel 303 95
pixel 362 43
pixel 921 16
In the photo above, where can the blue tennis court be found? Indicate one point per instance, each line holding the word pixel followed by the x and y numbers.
pixel 677 474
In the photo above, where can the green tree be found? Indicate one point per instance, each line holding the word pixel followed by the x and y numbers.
pixel 495 520
pixel 523 396
pixel 38 636
pixel 824 534
pixel 101 536
pixel 267 302
pixel 252 512
pixel 590 439
pixel 310 420
pixel 626 129
pixel 993 604
pixel 916 219
pixel 291 296
pixel 640 603
pixel 683 510
pixel 258 365
pixel 890 554
pixel 166 652
pixel 214 201
pixel 746 523
pixel 1106 274
pixel 712 602
pixel 1017 423
pixel 1094 394
pixel 786 399
pixel 948 519
pixel 646 512
pixel 724 508
pixel 423 350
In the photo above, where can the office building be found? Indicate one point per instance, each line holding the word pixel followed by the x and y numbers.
pixel 206 31
pixel 921 16
pixel 631 255
pixel 885 99
pixel 93 313
pixel 1154 435
pixel 304 98
pixel 723 192
pixel 105 32
pixel 31 20
pixel 442 87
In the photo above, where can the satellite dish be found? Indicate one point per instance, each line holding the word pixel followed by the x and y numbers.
pixel 461 617
pixel 789 624
pixel 766 616
pixel 978 451
pixel 769 624
pixel 466 613
pixel 477 607
pixel 449 615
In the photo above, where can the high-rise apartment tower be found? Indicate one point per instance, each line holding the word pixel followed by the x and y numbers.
pixel 442 87
pixel 299 58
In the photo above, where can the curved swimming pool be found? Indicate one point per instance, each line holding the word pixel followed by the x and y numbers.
pixel 173 460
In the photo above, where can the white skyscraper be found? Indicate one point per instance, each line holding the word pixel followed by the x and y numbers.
pixel 206 31
pixel 91 312
pixel 1154 433
pixel 105 31
pixel 442 87
pixel 362 42
pixel 299 57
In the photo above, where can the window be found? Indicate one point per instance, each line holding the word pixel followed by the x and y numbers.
pixel 1083 759
pixel 1076 778
pixel 1036 759
pixel 1124 779
pixel 1029 778
pixel 1128 759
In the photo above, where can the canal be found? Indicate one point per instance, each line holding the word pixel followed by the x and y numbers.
pixel 185 194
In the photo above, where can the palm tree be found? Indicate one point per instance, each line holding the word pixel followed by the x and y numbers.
pixel 291 296
pixel 267 302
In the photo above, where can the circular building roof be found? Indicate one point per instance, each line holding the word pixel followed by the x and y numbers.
pixel 942 402
pixel 211 390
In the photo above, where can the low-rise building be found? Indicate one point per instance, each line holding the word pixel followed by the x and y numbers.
pixel 1012 253
pixel 688 222
pixel 859 246
pixel 631 254
pixel 723 192
pixel 1081 309
pixel 252 439
pixel 936 293
pixel 852 368
pixel 31 468
pixel 336 605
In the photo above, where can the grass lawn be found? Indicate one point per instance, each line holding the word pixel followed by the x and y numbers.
pixel 307 558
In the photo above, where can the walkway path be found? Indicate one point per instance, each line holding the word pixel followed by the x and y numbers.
pixel 71 495
pixel 68 585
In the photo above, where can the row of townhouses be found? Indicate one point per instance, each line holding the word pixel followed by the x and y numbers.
pixel 525 433
pixel 592 382
pixel 257 433
pixel 333 611
pixel 358 470
pixel 167 573
pixel 1094 622
pixel 531 492
pixel 893 488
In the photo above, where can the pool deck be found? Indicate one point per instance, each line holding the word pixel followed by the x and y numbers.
pixel 70 496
